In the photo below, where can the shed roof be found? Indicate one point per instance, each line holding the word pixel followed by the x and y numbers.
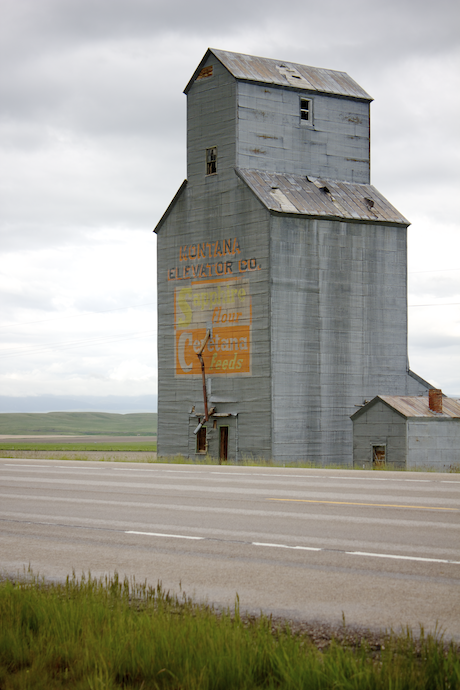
pixel 283 73
pixel 414 407
pixel 310 196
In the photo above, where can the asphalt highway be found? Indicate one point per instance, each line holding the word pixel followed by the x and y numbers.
pixel 380 548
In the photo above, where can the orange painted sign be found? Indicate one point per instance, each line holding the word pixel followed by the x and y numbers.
pixel 223 306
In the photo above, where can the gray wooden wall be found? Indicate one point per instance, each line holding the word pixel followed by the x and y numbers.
pixel 271 137
pixel 433 444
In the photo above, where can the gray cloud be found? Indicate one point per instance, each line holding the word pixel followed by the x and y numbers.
pixel 92 136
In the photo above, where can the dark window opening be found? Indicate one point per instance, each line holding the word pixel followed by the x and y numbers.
pixel 211 161
pixel 305 109
pixel 201 440
pixel 379 456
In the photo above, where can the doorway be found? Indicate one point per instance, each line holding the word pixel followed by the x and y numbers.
pixel 379 456
pixel 223 444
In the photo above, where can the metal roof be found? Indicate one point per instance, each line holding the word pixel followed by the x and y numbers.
pixel 411 406
pixel 283 73
pixel 322 198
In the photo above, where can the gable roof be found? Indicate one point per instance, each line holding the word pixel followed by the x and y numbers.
pixel 322 198
pixel 414 407
pixel 283 73
pixel 170 207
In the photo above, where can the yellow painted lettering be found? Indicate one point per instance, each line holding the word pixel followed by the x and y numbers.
pixel 184 306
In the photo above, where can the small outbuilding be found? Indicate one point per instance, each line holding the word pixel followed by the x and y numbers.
pixel 405 432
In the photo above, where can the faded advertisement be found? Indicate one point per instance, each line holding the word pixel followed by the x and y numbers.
pixel 222 306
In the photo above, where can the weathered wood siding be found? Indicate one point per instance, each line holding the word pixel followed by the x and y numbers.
pixel 271 135
pixel 433 444
pixel 339 325
pixel 246 394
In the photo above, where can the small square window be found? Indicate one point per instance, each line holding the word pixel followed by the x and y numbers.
pixel 306 109
pixel 201 440
pixel 211 161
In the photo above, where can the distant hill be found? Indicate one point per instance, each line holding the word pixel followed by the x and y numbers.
pixel 79 423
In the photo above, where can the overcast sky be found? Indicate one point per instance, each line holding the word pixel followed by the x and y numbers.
pixel 92 146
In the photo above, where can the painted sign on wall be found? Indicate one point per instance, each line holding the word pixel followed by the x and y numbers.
pixel 223 305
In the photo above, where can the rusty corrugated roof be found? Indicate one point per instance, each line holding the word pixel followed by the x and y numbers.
pixel 310 196
pixel 411 406
pixel 283 73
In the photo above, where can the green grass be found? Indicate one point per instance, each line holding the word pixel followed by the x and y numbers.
pixel 110 634
pixel 76 423
pixel 89 446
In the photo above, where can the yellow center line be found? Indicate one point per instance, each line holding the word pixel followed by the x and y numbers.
pixel 346 503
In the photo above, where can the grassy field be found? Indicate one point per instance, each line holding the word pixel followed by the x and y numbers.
pixel 111 634
pixel 79 423
pixel 80 447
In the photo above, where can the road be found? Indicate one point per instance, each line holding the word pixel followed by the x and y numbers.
pixel 383 548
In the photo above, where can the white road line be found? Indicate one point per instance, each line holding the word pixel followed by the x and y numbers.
pixel 263 474
pixel 415 480
pixel 333 477
pixel 298 548
pixel 378 479
pixel 41 466
pixel 158 534
pixel 72 467
pixel 131 469
pixel 229 475
pixel 403 558
pixel 285 546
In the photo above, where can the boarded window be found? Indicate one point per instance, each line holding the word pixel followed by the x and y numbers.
pixel 205 72
pixel 379 456
pixel 211 161
pixel 201 440
pixel 306 109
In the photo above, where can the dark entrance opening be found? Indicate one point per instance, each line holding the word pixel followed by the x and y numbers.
pixel 223 444
pixel 378 456
pixel 201 440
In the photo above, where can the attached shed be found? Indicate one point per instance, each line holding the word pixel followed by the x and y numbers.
pixel 404 432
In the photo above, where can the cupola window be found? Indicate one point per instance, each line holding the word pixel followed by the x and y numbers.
pixel 306 110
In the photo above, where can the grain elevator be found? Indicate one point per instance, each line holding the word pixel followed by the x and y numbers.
pixel 282 273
